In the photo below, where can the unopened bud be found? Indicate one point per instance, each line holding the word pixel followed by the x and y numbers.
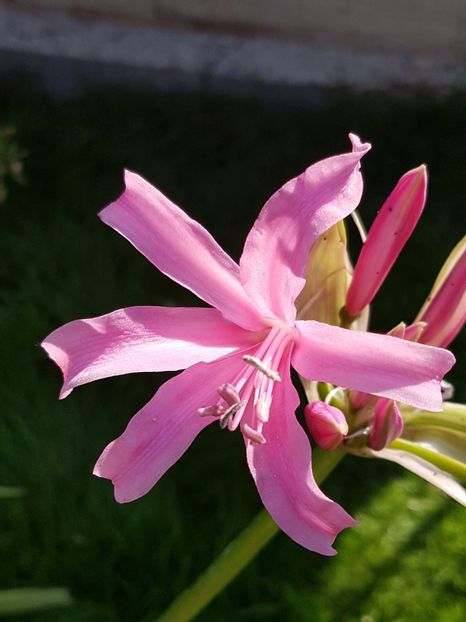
pixel 326 424
pixel 359 399
pixel 398 331
pixel 387 424
pixel 389 233
pixel 444 311
pixel 415 331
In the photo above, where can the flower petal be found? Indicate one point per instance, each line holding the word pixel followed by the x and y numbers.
pixel 180 248
pixel 141 339
pixel 159 434
pixel 282 470
pixel 377 364
pixel 277 247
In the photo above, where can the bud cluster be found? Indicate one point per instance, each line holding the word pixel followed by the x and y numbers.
pixel 431 444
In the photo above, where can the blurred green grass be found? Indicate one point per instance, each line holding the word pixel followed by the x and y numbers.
pixel 219 158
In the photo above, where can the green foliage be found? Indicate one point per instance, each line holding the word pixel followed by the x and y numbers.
pixel 400 563
pixel 11 160
pixel 24 600
pixel 219 159
pixel 10 492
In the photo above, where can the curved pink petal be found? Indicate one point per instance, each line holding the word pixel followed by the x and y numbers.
pixel 377 364
pixel 180 248
pixel 277 247
pixel 159 434
pixel 282 470
pixel 141 339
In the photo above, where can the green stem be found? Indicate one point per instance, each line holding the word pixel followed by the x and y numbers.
pixel 445 463
pixel 452 417
pixel 238 554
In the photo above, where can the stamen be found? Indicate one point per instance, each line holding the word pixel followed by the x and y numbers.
pixel 255 362
pixel 230 413
pixel 229 393
pixel 262 408
pixel 211 411
pixel 253 435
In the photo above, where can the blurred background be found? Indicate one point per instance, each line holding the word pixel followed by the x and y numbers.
pixel 217 104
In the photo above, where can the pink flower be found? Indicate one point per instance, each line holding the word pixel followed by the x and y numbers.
pixel 387 236
pixel 238 354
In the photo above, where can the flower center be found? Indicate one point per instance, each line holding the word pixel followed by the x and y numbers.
pixel 245 401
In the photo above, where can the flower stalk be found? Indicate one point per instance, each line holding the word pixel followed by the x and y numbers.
pixel 443 462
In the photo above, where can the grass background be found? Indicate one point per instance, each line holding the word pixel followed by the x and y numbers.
pixel 219 158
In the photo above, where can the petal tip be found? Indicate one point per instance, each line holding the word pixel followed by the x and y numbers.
pixel 58 356
pixel 422 168
pixel 65 391
pixel 128 175
pixel 119 494
pixel 129 179
pixel 121 497
pixel 358 145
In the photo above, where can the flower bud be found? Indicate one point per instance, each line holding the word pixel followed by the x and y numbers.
pixel 398 331
pixel 359 399
pixel 326 424
pixel 414 331
pixel 389 233
pixel 387 424
pixel 444 311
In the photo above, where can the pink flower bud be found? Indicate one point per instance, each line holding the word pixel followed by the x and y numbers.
pixel 326 424
pixel 359 399
pixel 445 308
pixel 399 331
pixel 414 331
pixel 389 233
pixel 387 425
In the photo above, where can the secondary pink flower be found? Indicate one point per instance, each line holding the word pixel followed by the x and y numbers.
pixel 238 354
pixel 387 236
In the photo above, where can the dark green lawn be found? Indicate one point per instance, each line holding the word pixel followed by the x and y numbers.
pixel 219 159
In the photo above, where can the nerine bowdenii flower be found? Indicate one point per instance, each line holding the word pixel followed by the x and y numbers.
pixel 237 353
